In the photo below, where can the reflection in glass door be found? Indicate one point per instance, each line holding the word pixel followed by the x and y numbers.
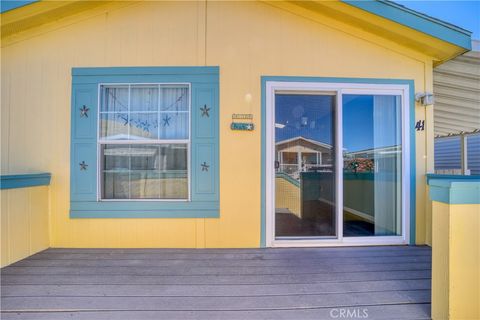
pixel 372 165
pixel 305 165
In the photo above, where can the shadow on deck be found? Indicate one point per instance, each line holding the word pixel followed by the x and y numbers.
pixel 294 283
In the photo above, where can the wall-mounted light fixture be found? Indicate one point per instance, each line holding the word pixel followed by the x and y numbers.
pixel 425 98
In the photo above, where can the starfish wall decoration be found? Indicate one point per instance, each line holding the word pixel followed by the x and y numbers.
pixel 84 111
pixel 205 111
pixel 124 118
pixel 83 165
pixel 205 166
pixel 166 120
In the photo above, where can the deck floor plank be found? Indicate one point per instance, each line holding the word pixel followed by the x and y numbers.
pixel 210 290
pixel 293 283
pixel 217 262
pixel 384 312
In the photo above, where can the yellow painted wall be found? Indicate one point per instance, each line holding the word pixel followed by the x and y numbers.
pixel 440 261
pixel 246 39
pixel 24 222
pixel 456 261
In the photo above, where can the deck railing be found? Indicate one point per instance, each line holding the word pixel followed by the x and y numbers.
pixel 25 215
pixel 455 246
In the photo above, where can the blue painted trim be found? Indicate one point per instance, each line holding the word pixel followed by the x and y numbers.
pixel 413 167
pixel 14 181
pixel 140 71
pixel 142 214
pixel 125 205
pixel 416 20
pixel 455 191
pixel 263 145
pixel 204 202
pixel 11 5
pixel 411 85
pixel 450 177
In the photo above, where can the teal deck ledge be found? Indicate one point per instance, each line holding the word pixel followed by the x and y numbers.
pixel 452 189
pixel 26 180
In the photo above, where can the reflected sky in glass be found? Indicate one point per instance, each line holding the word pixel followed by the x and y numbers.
pixel 310 116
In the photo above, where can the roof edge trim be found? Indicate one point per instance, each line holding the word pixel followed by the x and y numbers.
pixel 415 20
pixel 12 5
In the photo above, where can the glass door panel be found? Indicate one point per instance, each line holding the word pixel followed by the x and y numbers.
pixel 372 165
pixel 305 165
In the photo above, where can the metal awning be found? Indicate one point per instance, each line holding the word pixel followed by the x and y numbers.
pixel 456 87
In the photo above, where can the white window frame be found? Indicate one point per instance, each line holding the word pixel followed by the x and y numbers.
pixel 101 142
pixel 337 89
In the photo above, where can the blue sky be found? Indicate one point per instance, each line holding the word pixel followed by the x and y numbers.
pixel 465 14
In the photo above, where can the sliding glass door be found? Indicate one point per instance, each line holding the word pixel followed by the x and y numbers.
pixel 336 164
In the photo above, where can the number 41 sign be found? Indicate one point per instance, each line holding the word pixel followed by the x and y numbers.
pixel 420 125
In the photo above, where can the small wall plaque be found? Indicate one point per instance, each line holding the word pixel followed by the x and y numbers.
pixel 242 126
pixel 242 116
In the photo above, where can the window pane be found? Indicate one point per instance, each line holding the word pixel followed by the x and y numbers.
pixel 304 191
pixel 473 154
pixel 173 125
pixel 116 172
pixel 372 165
pixel 174 98
pixel 114 126
pixel 145 171
pixel 145 112
pixel 143 126
pixel 114 99
pixel 448 159
pixel 144 98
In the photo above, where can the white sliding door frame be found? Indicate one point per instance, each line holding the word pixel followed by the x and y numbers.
pixel 337 89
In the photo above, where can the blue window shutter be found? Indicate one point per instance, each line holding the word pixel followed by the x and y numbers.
pixel 205 164
pixel 83 155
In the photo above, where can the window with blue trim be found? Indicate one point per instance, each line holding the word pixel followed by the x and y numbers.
pixel 143 134
pixel 144 141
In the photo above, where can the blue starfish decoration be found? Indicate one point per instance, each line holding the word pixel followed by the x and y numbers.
pixel 166 121
pixel 205 166
pixel 205 110
pixel 84 111
pixel 124 118
pixel 83 165
pixel 145 126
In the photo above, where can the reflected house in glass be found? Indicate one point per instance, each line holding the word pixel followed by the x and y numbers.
pixel 304 194
pixel 300 154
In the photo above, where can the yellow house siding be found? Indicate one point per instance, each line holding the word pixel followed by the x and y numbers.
pixel 456 261
pixel 24 222
pixel 440 261
pixel 246 39
pixel 465 261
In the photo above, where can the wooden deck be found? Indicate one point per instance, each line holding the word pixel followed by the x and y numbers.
pixel 296 283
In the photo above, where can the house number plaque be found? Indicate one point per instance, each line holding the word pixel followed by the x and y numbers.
pixel 242 122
